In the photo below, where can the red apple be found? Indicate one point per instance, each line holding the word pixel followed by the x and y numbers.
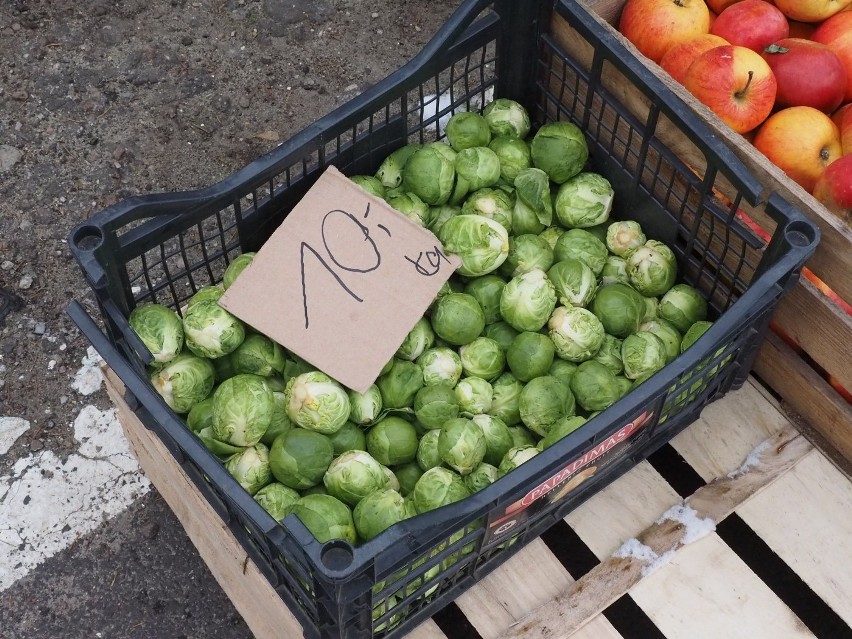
pixel 735 83
pixel 808 74
pixel 677 59
pixel 842 119
pixel 836 32
pixel 834 188
pixel 751 23
pixel 811 10
pixel 718 6
pixel 801 141
pixel 653 26
pixel 801 29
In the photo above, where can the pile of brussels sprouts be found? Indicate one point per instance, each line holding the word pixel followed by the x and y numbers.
pixel 555 313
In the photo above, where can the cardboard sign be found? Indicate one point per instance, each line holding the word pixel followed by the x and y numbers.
pixel 342 281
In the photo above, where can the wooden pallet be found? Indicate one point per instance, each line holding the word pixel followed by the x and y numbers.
pixel 770 559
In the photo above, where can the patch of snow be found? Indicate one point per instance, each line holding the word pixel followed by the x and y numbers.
pixel 88 379
pixel 658 563
pixel 635 549
pixel 694 527
pixel 751 461
pixel 431 106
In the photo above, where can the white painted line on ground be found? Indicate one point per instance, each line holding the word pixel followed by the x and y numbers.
pixel 11 428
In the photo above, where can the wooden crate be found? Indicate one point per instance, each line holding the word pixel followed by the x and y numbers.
pixel 742 465
pixel 820 327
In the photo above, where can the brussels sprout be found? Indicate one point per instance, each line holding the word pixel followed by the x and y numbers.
pixel 466 130
pixel 652 268
pixel 533 210
pixel 576 333
pixel 440 365
pixel 614 270
pixel 689 338
pixel 651 306
pixel 434 405
pixel 562 369
pixel 354 475
pixel 250 467
pixel 326 517
pixel 184 381
pixel 316 402
pixel 364 408
pixel 522 437
pixel 458 318
pixel 487 291
pixel 300 457
pixel 574 281
pixel 498 439
pixel 474 395
pixel 429 175
pixel 319 489
pixel 438 487
pixel 594 386
pixel 514 156
pixel 624 385
pixel 370 184
pixel 377 512
pixel 390 171
pixel 408 504
pixel 560 150
pixel 160 329
pixel 223 450
pixel 276 499
pixel 502 333
pixel 560 429
pixel 526 253
pixel 481 243
pixel 427 450
pixel 461 445
pixel 295 366
pixel 478 167
pixel 622 238
pixel 495 204
pixel 407 475
pixel 349 437
pixel 483 358
pixel 214 292
pixel 201 415
pixel 276 383
pixel 439 215
pixel 400 384
pixel 392 441
pixel 505 401
pixel 551 235
pixel 481 477
pixel 581 245
pixel 682 305
pixel 530 355
pixel 619 308
pixel 412 207
pixel 543 401
pixel 258 355
pixel 419 338
pixel 609 354
pixel 211 331
pixel 280 422
pixel 584 200
pixel 235 268
pixel 515 457
pixel 393 482
pixel 528 300
pixel 599 231
pixel 507 117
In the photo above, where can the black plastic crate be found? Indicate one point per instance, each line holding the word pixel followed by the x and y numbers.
pixel 164 247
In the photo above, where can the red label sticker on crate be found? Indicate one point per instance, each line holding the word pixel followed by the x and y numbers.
pixel 342 281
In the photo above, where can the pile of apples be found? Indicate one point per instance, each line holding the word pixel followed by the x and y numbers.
pixel 779 72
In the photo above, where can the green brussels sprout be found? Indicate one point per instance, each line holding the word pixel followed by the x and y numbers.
pixel 526 253
pixel 407 475
pixel 258 355
pixel 349 437
pixel 495 204
pixel 487 291
pixel 160 329
pixel 579 244
pixel 364 408
pixel 498 439
pixel 201 415
pixel 528 300
pixel 438 487
pixel 502 333
pixel 429 175
pixel 243 407
pixel 689 338
pixel 235 268
pixel 326 517
pixel 213 292
pixel 576 333
pixel 682 305
pixel 390 170
pixel 594 386
pixel 624 237
pixel 574 281
pixel 250 467
pixel 544 401
pixel 392 441
pixel 467 129
pixel 483 358
pixel 514 156
pixel 370 184
pixel 562 369
pixel 584 200
pixel 619 308
pixel 184 381
pixel 474 395
pixel 211 331
pixel 427 451
pixel 458 318
pixel 507 117
pixel 481 477
pixel 276 499
pixel 280 422
pixel 300 457
pixel 614 270
pixel 651 306
pixel 551 235
pixel 530 355
pixel 652 268
pixel 419 338
pixel 223 450
pixel 478 167
pixel 624 385
pixel 560 429
pixel 522 437
pixel 276 383
pixel 505 400
pixel 461 445
pixel 434 405
pixel 412 207
pixel 533 210
pixel 377 512
pixel 481 243
pixel 353 475
pixel 599 231
pixel 408 504
pixel 560 150
pixel 609 354
pixel 400 384
pixel 515 457
pixel 391 477
pixel 319 489
pixel 316 402
pixel 440 365
pixel 439 215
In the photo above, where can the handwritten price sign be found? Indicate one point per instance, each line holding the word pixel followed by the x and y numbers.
pixel 342 281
